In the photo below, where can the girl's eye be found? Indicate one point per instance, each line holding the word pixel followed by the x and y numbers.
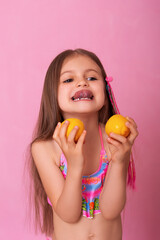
pixel 68 80
pixel 92 78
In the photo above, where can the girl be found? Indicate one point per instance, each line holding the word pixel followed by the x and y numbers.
pixel 79 188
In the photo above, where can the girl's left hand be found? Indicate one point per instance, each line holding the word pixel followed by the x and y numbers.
pixel 120 146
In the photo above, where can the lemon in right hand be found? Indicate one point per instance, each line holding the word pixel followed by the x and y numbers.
pixel 72 123
pixel 116 124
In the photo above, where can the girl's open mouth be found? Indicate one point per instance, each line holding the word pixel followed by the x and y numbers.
pixel 82 95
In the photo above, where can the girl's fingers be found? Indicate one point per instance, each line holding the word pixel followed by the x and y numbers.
pixel 132 121
pixel 113 142
pixel 59 134
pixel 134 133
pixel 56 131
pixel 118 138
pixel 62 132
pixel 72 134
pixel 81 139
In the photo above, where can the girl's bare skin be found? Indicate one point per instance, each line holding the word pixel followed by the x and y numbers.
pixel 83 159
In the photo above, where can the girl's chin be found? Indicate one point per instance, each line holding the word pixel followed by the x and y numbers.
pixel 79 114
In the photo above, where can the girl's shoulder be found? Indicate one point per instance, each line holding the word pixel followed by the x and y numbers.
pixel 48 148
pixel 45 155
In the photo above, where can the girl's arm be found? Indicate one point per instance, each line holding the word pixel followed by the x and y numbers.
pixel 65 195
pixel 113 195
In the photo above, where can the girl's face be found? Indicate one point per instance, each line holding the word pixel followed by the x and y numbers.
pixel 81 87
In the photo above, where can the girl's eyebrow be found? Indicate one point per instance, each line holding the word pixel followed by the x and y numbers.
pixel 94 70
pixel 87 70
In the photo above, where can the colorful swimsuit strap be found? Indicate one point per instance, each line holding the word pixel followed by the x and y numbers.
pixel 101 138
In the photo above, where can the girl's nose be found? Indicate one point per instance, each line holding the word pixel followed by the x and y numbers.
pixel 82 83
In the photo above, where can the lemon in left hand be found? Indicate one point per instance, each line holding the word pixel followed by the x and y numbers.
pixel 116 124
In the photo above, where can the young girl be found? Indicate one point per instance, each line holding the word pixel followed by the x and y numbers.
pixel 79 187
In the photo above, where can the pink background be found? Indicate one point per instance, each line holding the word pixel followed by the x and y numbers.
pixel 126 36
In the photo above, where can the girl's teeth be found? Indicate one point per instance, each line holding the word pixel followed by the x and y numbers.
pixel 77 99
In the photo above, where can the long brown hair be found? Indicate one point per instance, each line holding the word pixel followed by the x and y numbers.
pixel 49 115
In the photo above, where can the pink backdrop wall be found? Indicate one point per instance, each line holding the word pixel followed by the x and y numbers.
pixel 125 35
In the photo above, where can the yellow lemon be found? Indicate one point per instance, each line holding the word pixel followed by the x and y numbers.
pixel 116 124
pixel 72 123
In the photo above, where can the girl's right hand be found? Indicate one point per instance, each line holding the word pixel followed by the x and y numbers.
pixel 72 151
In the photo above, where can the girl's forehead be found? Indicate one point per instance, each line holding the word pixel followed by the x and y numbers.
pixel 80 62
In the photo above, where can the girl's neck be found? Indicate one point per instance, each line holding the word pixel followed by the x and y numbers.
pixel 92 139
